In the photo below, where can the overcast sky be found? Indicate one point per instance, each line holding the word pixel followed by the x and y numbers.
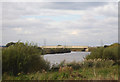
pixel 63 23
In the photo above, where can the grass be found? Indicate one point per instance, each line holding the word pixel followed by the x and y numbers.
pixel 86 70
pixel 79 74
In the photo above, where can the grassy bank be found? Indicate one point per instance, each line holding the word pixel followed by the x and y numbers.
pixel 73 72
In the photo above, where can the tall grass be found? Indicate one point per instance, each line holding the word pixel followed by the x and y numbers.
pixel 22 58
pixel 90 63
pixel 97 63
pixel 89 69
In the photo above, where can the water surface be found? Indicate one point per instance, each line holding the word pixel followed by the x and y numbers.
pixel 68 57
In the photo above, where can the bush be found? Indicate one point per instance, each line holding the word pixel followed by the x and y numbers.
pixel 110 53
pixel 9 44
pixel 98 63
pixel 74 65
pixel 55 67
pixel 22 58
pixel 88 63
pixel 95 54
pixel 56 50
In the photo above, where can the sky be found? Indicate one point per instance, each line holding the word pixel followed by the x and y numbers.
pixel 60 23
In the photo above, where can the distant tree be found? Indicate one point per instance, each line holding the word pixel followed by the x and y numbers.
pixel 59 45
pixel 9 44
pixel 105 46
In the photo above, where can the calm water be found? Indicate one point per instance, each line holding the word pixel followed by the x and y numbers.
pixel 68 57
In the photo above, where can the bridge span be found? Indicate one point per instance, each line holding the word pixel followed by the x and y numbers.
pixel 85 48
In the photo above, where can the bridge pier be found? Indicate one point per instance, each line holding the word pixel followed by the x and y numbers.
pixel 86 50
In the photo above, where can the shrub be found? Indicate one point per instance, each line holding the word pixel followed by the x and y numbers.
pixel 88 63
pixel 98 63
pixel 95 54
pixel 103 63
pixel 74 65
pixel 55 67
pixel 110 53
pixel 9 44
pixel 66 69
pixel 56 50
pixel 22 58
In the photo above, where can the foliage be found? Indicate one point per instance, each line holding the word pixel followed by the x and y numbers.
pixel 110 52
pixel 9 44
pixel 108 73
pixel 22 58
pixel 55 67
pixel 97 63
pixel 77 49
pixel 0 63
pixel 74 65
pixel 92 48
pixel 95 54
pixel 66 69
pixel 56 50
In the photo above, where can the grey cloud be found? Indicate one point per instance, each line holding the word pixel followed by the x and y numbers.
pixel 74 5
pixel 89 30
pixel 54 5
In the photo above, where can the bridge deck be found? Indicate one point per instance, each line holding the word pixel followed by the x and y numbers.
pixel 64 46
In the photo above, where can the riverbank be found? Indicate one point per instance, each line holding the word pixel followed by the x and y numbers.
pixel 24 62
pixel 55 51
pixel 42 51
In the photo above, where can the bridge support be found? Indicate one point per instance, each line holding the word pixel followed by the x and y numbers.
pixel 86 49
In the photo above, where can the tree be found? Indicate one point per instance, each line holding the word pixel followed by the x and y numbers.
pixel 59 45
pixel 9 44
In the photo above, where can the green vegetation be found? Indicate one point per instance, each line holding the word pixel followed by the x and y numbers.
pixel 87 70
pixel 0 64
pixel 24 62
pixel 22 58
pixel 77 49
pixel 56 50
pixel 9 44
pixel 110 53
pixel 45 50
pixel 92 48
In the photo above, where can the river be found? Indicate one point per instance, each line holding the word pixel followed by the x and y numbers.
pixel 68 57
